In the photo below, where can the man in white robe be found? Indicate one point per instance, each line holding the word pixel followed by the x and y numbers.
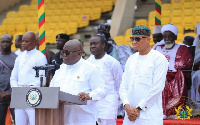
pixel 23 75
pixel 112 73
pixel 157 36
pixel 143 81
pixel 79 77
pixel 195 88
pixel 18 44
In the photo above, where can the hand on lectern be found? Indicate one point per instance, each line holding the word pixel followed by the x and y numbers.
pixel 84 96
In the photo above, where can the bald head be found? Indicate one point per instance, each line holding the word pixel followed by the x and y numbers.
pixel 30 34
pixel 6 42
pixel 28 41
pixel 72 51
pixel 73 44
pixel 6 36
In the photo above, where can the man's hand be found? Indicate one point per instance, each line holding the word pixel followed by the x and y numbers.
pixel 6 96
pixel 132 113
pixel 84 96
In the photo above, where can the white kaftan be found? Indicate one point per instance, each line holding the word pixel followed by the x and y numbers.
pixel 80 77
pixel 142 84
pixel 112 74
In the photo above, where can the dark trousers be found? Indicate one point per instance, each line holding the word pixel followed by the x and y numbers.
pixel 3 111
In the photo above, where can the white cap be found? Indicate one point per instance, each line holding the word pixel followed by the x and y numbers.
pixel 157 29
pixel 170 27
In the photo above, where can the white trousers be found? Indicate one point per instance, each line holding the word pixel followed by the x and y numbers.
pixel 106 121
pixel 25 116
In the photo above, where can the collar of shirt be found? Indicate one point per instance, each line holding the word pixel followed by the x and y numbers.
pixel 76 64
pixel 31 51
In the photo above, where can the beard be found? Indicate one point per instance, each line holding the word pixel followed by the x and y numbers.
pixel 169 44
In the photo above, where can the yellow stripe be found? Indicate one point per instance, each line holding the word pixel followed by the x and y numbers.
pixel 159 2
pixel 42 47
pixel 40 12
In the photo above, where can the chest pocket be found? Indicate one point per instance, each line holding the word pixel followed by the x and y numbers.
pixel 145 76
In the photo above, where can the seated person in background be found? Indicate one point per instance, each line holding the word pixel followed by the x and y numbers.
pixel 18 44
pixel 179 58
pixel 157 36
pixel 77 76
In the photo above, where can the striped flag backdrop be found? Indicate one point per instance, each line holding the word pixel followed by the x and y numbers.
pixel 41 21
pixel 158 4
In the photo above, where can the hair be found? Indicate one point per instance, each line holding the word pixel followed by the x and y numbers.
pixel 63 36
pixel 20 37
pixel 7 35
pixel 102 38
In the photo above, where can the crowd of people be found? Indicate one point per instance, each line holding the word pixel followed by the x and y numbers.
pixel 138 83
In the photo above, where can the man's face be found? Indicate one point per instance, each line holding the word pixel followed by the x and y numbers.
pixel 157 37
pixel 17 42
pixel 169 39
pixel 96 46
pixel 60 43
pixel 6 44
pixel 28 42
pixel 70 55
pixel 140 42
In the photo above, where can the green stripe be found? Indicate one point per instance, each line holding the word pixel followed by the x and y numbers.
pixel 42 35
pixel 43 51
pixel 39 1
pixel 157 20
pixel 41 17
pixel 157 5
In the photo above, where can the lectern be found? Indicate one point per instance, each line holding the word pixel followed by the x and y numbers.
pixel 48 103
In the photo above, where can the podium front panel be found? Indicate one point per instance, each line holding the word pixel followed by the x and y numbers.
pixel 50 97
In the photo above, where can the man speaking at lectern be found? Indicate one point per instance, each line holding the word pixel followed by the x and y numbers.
pixel 77 76
pixel 23 75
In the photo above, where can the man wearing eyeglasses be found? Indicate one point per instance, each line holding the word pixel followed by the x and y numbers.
pixel 23 75
pixel 179 58
pixel 143 81
pixel 112 73
pixel 79 77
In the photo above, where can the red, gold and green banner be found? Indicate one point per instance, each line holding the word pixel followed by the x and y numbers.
pixel 41 20
pixel 158 4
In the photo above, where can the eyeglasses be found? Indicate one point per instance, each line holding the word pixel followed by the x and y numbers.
pixel 136 38
pixel 67 52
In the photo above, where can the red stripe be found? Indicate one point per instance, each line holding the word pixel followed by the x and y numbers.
pixel 42 41
pixel 41 23
pixel 156 23
pixel 41 3
pixel 158 10
pixel 45 53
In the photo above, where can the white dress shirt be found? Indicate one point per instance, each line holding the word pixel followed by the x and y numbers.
pixel 80 77
pixel 142 84
pixel 23 73
pixel 112 73
pixel 18 52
